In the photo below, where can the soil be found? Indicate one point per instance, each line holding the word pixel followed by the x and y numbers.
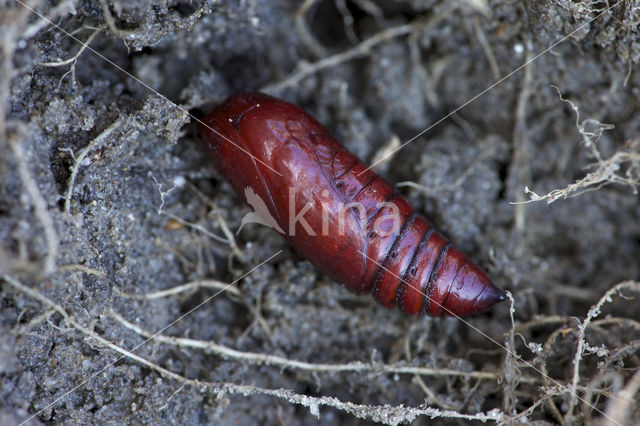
pixel 107 197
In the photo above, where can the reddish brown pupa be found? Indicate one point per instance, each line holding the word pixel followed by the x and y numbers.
pixel 345 219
